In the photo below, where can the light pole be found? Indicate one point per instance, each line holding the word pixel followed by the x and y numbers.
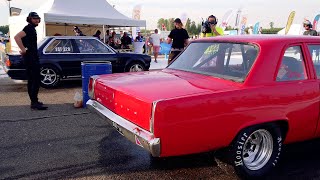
pixel 9 7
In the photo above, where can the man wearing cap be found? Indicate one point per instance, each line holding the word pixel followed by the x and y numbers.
pixel 179 38
pixel 308 27
pixel 27 42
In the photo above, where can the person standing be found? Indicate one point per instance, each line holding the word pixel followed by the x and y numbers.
pixel 155 42
pixel 260 30
pixel 250 30
pixel 308 27
pixel 97 34
pixel 139 37
pixel 114 41
pixel 107 36
pixel 27 42
pixel 179 38
pixel 77 31
pixel 125 41
pixel 210 28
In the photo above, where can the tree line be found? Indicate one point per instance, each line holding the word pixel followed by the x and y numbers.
pixel 191 26
pixel 194 28
pixel 4 29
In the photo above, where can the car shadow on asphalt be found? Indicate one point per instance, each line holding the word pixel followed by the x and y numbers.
pixel 120 156
pixel 299 160
pixel 47 144
pixel 64 142
pixel 70 83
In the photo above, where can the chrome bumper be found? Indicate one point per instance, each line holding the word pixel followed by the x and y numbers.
pixel 129 130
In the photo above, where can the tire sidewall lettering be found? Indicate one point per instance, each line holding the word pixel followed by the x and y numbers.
pixel 239 152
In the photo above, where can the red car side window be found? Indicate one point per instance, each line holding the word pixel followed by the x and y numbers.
pixel 315 54
pixel 292 66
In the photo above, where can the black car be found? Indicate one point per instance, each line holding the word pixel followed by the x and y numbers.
pixel 61 57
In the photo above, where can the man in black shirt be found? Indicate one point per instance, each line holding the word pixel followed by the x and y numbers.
pixel 308 27
pixel 125 41
pixel 27 42
pixel 139 37
pixel 180 40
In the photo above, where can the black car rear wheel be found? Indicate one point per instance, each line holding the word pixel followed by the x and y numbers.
pixel 135 67
pixel 50 77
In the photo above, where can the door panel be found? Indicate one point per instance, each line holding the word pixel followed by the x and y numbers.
pixel 293 73
pixel 314 50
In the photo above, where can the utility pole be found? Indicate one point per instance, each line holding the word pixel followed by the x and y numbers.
pixel 238 18
pixel 9 7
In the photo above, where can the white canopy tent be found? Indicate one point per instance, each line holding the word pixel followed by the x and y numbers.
pixel 59 17
pixel 93 12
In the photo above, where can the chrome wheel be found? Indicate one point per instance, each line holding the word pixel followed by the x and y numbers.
pixel 48 76
pixel 136 68
pixel 257 150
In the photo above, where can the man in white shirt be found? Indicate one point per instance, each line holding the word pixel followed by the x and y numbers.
pixel 155 42
pixel 250 30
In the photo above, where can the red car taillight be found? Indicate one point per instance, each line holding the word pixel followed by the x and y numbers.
pixel 92 82
pixel 8 63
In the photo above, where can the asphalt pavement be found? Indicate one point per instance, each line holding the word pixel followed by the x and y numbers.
pixel 69 143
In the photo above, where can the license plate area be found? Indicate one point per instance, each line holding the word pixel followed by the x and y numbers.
pixel 117 127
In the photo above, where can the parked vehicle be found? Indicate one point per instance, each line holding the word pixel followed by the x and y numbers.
pixel 251 94
pixel 61 57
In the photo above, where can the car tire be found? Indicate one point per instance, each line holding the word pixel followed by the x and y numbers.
pixel 256 151
pixel 49 76
pixel 135 67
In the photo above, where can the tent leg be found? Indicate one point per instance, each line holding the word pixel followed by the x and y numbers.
pixel 104 34
pixel 145 36
pixel 65 30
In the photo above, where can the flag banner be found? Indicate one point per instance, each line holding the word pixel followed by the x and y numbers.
pixel 136 12
pixel 243 24
pixel 225 19
pixel 290 21
pixel 316 23
pixel 256 28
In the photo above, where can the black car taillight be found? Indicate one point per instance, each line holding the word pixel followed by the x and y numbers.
pixel 8 63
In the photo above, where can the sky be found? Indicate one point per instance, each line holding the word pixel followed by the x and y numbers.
pixel 263 11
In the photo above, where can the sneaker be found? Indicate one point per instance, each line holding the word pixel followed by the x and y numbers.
pixel 38 106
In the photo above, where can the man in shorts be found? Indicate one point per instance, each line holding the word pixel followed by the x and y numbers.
pixel 155 42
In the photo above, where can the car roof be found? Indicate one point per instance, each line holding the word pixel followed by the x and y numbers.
pixel 261 38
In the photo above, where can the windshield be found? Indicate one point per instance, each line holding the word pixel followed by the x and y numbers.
pixel 230 61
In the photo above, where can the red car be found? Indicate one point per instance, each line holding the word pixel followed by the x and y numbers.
pixel 249 93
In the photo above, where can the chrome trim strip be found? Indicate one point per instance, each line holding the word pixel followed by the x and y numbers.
pixel 44 49
pixel 8 69
pixel 154 105
pixel 131 131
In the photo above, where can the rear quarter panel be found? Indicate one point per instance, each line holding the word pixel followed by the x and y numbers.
pixel 207 122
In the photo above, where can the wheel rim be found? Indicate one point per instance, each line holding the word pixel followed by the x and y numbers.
pixel 49 76
pixel 257 150
pixel 136 68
